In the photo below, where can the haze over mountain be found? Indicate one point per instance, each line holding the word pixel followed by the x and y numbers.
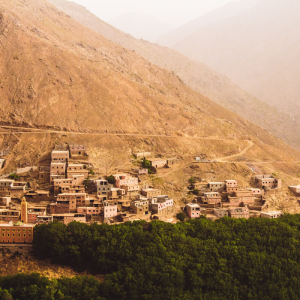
pixel 58 74
pixel 141 25
pixel 229 10
pixel 195 74
pixel 258 49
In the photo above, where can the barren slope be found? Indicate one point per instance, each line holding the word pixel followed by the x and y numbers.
pixel 195 74
pixel 258 49
pixel 57 73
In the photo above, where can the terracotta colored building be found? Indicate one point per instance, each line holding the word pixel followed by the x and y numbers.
pixel 268 181
pixel 16 233
pixel 140 206
pixel 58 168
pixel 9 215
pixel 94 211
pixel 69 217
pixel 211 198
pixel 5 201
pixel 295 189
pixel 125 179
pixel 44 220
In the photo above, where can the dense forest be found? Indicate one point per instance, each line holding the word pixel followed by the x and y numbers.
pixel 197 259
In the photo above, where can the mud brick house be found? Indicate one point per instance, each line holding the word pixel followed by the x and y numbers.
pixel 92 211
pixel 34 212
pixel 295 189
pixel 211 198
pixel 216 186
pixel 140 207
pixel 38 196
pixel 58 168
pixel 232 202
pixel 5 201
pixel 220 212
pixel 116 193
pixel 141 171
pixel 16 233
pixel 193 210
pixel 124 205
pixel 125 179
pixel 157 163
pixel 271 214
pixel 142 154
pixel 44 173
pixel 245 196
pixel 69 217
pixel 12 188
pixel 60 156
pixel 238 212
pixel 44 220
pixel 172 161
pixel 256 192
pixel 150 193
pixel 230 183
pixel 268 181
pixel 131 190
pixel 76 169
pixel 9 215
pixel 77 150
pixel 199 185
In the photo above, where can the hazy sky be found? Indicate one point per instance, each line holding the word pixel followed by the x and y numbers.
pixel 173 12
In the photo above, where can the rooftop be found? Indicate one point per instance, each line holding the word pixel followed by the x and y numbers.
pixel 216 183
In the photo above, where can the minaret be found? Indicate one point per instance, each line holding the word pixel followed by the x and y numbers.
pixel 24 216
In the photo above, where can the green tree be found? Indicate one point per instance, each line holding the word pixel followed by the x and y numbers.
pixel 111 179
pixel 14 176
pixel 180 216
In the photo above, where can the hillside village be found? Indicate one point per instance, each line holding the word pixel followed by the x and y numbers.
pixel 70 190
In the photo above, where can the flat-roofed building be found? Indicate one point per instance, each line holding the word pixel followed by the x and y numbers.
pixel 8 215
pixel 140 206
pixel 110 211
pixel 162 205
pixel 103 187
pixel 238 212
pixel 77 150
pixel 150 193
pixel 131 190
pixel 256 191
pixel 268 181
pixel 271 214
pixel 77 169
pixel 295 189
pixel 69 217
pixel 157 163
pixel 231 183
pixel 16 233
pixel 58 168
pixel 220 212
pixel 211 198
pixel 5 201
pixel 60 155
pixel 93 211
pixel 193 210
pixel 34 212
pixel 216 186
pixel 44 220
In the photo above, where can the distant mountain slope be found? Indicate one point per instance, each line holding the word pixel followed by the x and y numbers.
pixel 227 11
pixel 195 74
pixel 141 26
pixel 258 49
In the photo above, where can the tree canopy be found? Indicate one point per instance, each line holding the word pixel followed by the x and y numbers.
pixel 197 259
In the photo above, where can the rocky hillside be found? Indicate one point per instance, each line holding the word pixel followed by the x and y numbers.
pixel 56 73
pixel 196 75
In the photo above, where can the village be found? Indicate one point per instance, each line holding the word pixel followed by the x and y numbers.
pixel 73 192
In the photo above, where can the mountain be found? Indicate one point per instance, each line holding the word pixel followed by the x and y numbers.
pixel 258 49
pixel 141 26
pixel 57 74
pixel 196 75
pixel 227 11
